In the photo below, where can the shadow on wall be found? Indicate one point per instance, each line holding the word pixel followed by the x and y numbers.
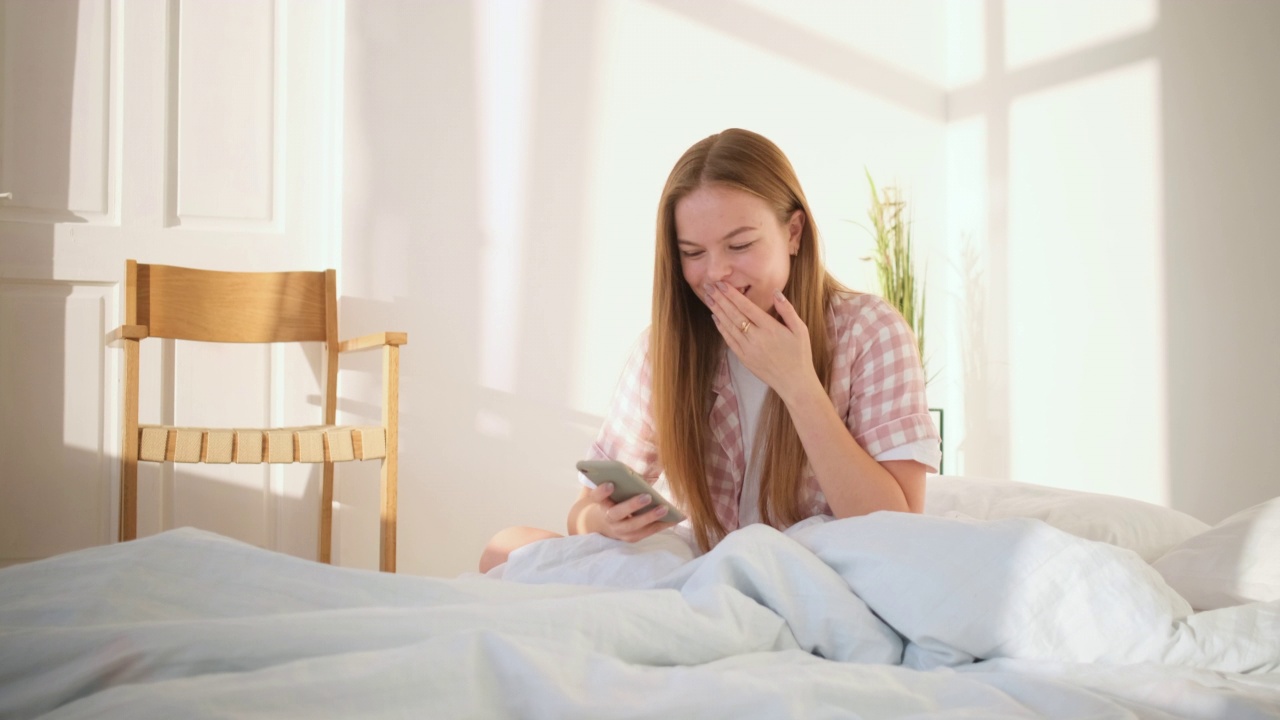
pixel 1222 176
pixel 235 501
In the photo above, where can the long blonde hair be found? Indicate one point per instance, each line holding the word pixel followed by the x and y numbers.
pixel 685 348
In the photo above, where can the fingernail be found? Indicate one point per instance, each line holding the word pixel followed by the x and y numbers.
pixel 662 510
pixel 707 289
pixel 721 286
pixel 608 487
pixel 778 294
pixel 645 500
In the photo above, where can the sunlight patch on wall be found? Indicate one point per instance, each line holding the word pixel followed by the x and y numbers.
pixel 1039 30
pixel 667 81
pixel 1086 289
pixel 966 39
pixel 959 294
pixel 505 69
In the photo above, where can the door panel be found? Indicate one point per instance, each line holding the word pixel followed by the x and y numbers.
pixel 178 132
pixel 226 111
pixel 55 152
pixel 52 430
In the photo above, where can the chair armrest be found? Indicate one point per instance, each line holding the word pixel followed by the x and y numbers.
pixel 129 332
pixel 375 340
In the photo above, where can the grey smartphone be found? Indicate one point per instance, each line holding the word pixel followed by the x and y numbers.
pixel 627 484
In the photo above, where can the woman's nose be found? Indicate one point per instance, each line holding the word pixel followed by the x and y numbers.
pixel 720 267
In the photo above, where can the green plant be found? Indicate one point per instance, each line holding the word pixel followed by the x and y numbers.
pixel 891 227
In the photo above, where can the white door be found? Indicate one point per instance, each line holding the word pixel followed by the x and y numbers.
pixel 203 133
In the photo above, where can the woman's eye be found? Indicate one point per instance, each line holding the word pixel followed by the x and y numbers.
pixel 743 246
pixel 691 253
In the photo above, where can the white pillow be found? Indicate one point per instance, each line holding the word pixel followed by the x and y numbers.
pixel 1149 530
pixel 1236 562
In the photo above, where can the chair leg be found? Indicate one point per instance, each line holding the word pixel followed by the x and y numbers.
pixel 326 514
pixel 391 421
pixel 128 529
pixel 128 519
pixel 387 551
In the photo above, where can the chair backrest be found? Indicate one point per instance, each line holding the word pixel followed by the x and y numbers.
pixel 242 307
pixel 238 307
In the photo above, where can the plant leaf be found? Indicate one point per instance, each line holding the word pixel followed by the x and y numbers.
pixel 891 229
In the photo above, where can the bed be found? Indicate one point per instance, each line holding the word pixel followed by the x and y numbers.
pixel 1003 600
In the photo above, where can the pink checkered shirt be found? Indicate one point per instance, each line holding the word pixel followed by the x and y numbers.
pixel 877 387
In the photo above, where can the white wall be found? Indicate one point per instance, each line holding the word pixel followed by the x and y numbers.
pixel 503 164
pixel 1087 180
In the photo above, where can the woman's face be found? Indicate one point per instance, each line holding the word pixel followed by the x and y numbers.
pixel 731 236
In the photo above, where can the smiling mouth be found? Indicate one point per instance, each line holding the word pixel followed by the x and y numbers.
pixel 744 290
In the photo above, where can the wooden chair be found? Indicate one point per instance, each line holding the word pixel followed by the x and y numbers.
pixel 163 301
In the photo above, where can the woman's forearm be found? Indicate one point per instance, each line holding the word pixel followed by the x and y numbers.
pixel 852 481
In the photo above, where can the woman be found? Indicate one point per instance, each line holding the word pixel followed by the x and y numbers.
pixel 764 390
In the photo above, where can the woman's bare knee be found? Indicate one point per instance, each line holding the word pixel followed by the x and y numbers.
pixel 500 546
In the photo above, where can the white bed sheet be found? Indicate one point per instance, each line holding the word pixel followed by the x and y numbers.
pixel 812 623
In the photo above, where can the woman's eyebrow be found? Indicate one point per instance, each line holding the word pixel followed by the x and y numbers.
pixel 735 231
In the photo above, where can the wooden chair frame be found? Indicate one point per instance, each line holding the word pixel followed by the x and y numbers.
pixel 166 301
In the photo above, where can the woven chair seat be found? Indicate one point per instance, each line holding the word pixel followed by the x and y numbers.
pixel 312 444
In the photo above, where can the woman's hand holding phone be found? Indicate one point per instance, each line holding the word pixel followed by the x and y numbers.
pixel 620 521
pixel 621 504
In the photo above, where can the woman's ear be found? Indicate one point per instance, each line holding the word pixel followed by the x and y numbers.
pixel 794 227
